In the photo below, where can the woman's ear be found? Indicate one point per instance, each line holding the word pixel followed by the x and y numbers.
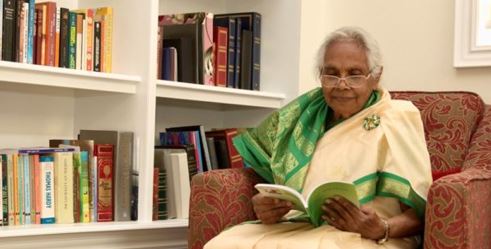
pixel 379 74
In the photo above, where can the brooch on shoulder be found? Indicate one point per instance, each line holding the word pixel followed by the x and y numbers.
pixel 371 122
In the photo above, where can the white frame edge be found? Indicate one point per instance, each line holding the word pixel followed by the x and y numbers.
pixel 466 54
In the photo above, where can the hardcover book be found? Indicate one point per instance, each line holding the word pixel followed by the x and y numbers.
pixel 223 138
pixel 105 173
pixel 201 140
pixel 312 204
pixel 63 168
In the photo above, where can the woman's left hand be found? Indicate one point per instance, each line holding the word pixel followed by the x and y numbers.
pixel 345 216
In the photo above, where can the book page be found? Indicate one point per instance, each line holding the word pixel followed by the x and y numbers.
pixel 326 190
pixel 283 193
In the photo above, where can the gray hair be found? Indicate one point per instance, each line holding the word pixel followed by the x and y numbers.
pixel 361 37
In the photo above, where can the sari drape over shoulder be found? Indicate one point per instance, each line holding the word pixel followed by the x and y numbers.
pixel 381 149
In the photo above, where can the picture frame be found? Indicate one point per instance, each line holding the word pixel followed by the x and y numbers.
pixel 472 36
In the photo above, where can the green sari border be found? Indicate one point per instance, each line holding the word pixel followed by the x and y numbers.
pixel 389 185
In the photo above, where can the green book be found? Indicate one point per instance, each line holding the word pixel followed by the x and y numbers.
pixel 312 205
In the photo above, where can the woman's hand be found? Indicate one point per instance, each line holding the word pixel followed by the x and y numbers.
pixel 270 210
pixel 345 216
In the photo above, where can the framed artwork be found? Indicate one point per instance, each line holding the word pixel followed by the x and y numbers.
pixel 472 37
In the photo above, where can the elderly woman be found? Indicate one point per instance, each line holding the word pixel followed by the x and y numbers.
pixel 348 130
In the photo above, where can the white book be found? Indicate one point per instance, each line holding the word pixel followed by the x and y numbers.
pixel 180 175
pixel 64 187
pixel 48 198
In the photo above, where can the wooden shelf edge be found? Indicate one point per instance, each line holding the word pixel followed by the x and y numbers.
pixel 28 74
pixel 221 95
pixel 51 229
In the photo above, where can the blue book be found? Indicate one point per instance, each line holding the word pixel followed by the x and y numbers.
pixel 201 142
pixel 30 32
pixel 27 188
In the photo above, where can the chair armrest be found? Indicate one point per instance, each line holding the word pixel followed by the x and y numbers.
pixel 458 211
pixel 219 199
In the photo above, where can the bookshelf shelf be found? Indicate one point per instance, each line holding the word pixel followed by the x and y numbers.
pixel 221 95
pixel 19 73
pixel 36 230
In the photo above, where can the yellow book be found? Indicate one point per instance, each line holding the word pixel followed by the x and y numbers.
pixel 64 187
pixel 105 16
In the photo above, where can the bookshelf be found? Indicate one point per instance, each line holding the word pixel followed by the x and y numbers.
pixel 41 102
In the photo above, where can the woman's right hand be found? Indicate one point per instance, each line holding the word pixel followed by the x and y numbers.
pixel 270 210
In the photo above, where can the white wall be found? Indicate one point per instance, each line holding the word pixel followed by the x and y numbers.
pixel 416 38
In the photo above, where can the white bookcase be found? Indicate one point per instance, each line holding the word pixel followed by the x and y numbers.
pixel 38 103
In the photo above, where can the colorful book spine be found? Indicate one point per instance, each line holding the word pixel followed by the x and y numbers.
pixel 30 31
pixel 5 193
pixel 105 15
pixel 79 44
pixel 238 41
pixel 84 187
pixel 63 162
pixel 155 196
pixel 48 198
pixel 10 186
pixel 27 188
pixel 229 23
pixel 256 52
pixel 105 170
pixel 20 190
pixel 38 191
pixel 90 39
pixel 93 189
pixel 57 37
pixel 64 38
pixel 1 191
pixel 76 186
pixel 97 46
pixel 72 42
pixel 221 40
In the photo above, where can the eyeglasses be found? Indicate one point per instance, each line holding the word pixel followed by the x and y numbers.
pixel 353 81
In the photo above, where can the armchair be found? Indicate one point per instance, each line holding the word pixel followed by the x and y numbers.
pixel 458 212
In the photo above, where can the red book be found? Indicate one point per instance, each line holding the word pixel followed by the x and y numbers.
pixel 105 172
pixel 221 35
pixel 235 160
pixel 48 31
pixel 155 199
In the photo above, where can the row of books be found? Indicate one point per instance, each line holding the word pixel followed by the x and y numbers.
pixel 221 50
pixel 70 181
pixel 183 152
pixel 46 34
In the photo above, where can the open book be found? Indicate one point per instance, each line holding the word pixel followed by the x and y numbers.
pixel 312 205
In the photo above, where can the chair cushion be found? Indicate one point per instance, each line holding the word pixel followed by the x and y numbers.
pixel 449 119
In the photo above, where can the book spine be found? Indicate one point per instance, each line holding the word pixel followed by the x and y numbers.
pixel 23 33
pixel 208 50
pixel 38 191
pixel 72 42
pixel 5 190
pixel 84 187
pixel 105 170
pixel 2 194
pixel 9 30
pixel 84 44
pixel 57 37
pixel 76 186
pixel 1 28
pixel 44 34
pixel 31 27
pixel 27 189
pixel 19 35
pixel 162 212
pixel 20 190
pixel 39 34
pixel 10 186
pixel 97 46
pixel 50 33
pixel 93 189
pixel 106 14
pixel 90 39
pixel 238 41
pixel 160 47
pixel 47 188
pixel 256 52
pixel 32 189
pixel 64 38
pixel 155 196
pixel 79 41
pixel 221 56
pixel 64 187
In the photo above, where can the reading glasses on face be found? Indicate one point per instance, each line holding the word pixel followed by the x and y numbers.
pixel 353 81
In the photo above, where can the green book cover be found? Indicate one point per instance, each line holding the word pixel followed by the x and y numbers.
pixel 312 205
pixel 84 187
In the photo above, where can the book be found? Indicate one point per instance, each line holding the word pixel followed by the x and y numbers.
pixel 63 168
pixel 123 169
pixel 184 38
pixel 46 162
pixel 190 151
pixel 105 176
pixel 312 205
pixel 220 38
pixel 178 171
pixel 229 24
pixel 246 60
pixel 104 15
pixel 225 148
pixel 5 200
pixel 201 139
pixel 1 27
pixel 9 24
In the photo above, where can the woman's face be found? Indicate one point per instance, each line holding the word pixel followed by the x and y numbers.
pixel 342 59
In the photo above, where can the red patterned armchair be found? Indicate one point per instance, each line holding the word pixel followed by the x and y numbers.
pixel 458 211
